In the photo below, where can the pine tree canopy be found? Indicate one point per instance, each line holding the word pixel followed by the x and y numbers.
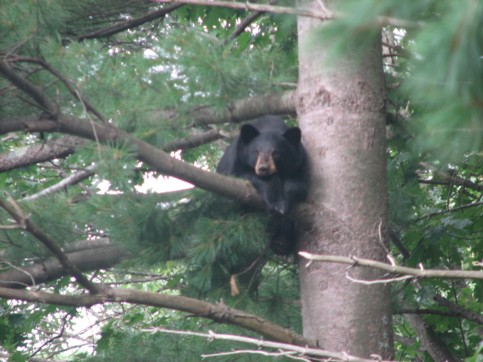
pixel 105 104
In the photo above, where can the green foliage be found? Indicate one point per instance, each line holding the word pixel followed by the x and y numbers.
pixel 138 79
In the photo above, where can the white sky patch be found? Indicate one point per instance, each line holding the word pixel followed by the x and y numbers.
pixel 153 183
pixel 162 184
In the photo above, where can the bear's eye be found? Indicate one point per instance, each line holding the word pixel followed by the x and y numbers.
pixel 276 154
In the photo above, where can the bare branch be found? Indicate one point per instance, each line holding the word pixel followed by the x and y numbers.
pixel 249 108
pixel 419 273
pixel 45 151
pixel 459 310
pixel 322 15
pixel 98 254
pixel 14 210
pixel 429 340
pixel 458 208
pixel 446 178
pixel 68 181
pixel 438 312
pixel 254 7
pixel 193 141
pixel 301 351
pixel 217 312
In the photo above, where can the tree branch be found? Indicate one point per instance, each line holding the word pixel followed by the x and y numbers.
pixel 130 24
pixel 460 311
pixel 217 312
pixel 254 7
pixel 69 85
pixel 193 141
pixel 159 160
pixel 458 208
pixel 248 108
pixel 419 273
pixel 24 222
pixel 97 254
pixel 300 351
pixel 70 180
pixel 26 86
pixel 322 15
pixel 429 341
pixel 243 25
pixel 446 177
pixel 66 145
pixel 45 151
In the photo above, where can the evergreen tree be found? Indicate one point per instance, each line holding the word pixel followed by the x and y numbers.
pixel 101 100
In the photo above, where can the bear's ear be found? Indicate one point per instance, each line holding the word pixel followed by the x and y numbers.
pixel 293 135
pixel 248 133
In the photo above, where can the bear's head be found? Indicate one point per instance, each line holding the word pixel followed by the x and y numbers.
pixel 271 152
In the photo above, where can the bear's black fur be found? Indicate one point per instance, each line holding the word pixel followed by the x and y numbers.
pixel 271 156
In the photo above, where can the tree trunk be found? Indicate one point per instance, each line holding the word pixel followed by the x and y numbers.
pixel 341 111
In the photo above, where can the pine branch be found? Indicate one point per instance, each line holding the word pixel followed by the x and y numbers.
pixel 243 25
pixel 219 313
pixel 24 223
pixel 159 160
pixel 402 270
pixel 67 145
pixel 97 254
pixel 70 180
pixel 69 85
pixel 45 151
pixel 130 24
pixel 248 108
pixel 156 158
pixel 193 141
pixel 27 87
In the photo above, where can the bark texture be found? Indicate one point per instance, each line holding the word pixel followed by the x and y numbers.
pixel 341 111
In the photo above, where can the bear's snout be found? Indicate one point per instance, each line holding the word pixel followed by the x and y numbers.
pixel 265 165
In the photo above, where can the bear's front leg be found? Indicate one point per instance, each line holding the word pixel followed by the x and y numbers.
pixel 272 193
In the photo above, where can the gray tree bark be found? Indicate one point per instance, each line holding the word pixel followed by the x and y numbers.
pixel 341 111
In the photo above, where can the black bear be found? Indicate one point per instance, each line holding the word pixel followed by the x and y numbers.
pixel 271 156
